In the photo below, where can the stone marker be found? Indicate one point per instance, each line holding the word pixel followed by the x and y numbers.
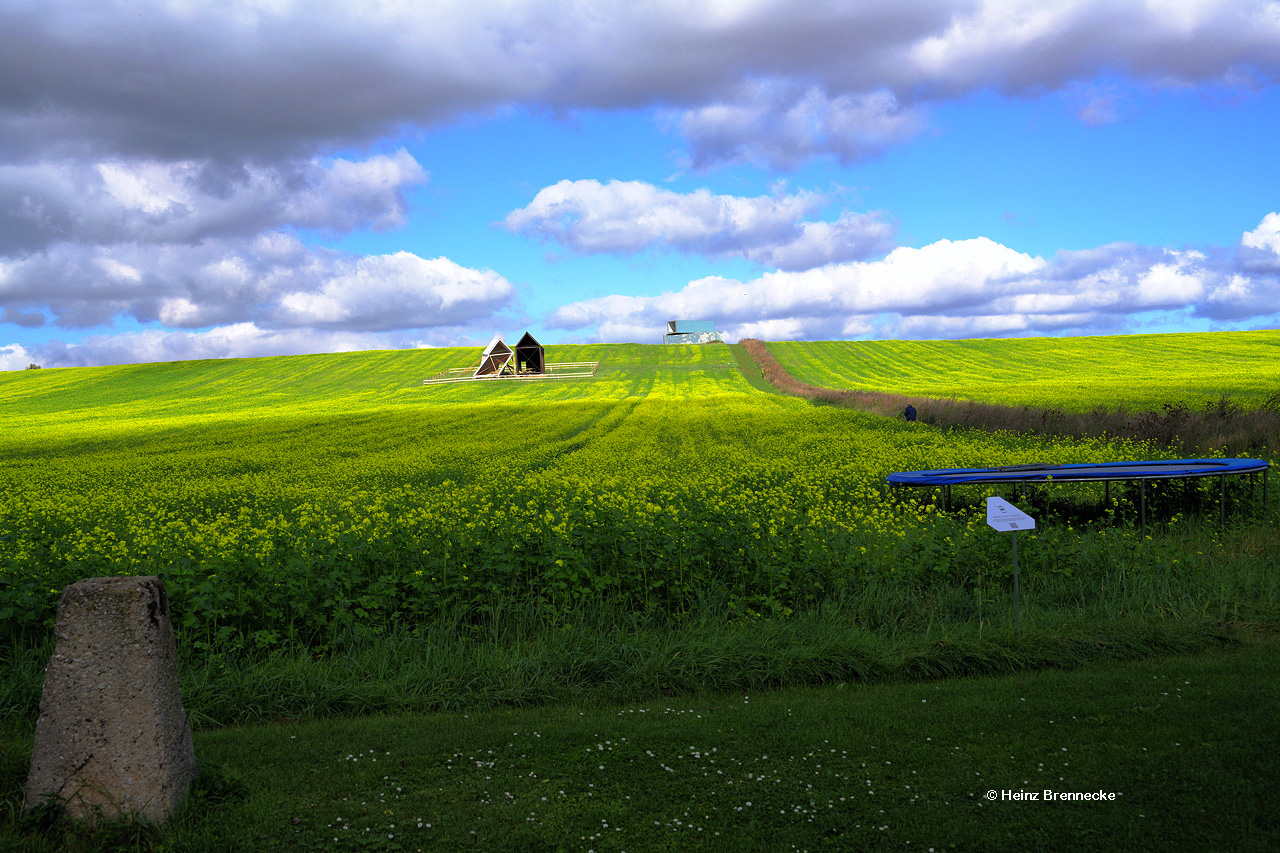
pixel 112 735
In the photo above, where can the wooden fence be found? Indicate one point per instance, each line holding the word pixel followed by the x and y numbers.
pixel 555 370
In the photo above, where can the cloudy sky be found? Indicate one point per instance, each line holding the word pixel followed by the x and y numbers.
pixel 191 179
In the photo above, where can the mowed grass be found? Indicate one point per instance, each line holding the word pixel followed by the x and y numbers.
pixel 1139 372
pixel 1184 750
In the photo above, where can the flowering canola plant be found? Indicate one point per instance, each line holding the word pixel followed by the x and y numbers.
pixel 281 501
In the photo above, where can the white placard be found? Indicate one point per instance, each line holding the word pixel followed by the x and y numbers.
pixel 1003 515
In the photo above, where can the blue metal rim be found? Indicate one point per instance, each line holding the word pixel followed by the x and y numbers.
pixel 1161 469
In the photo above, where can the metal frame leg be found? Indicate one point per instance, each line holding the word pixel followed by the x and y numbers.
pixel 1142 506
pixel 1222 500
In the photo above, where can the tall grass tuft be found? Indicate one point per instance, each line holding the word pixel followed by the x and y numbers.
pixel 1148 600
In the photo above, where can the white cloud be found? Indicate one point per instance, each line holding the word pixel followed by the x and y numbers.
pixel 789 329
pixel 191 244
pixel 625 216
pixel 771 124
pixel 15 357
pixel 117 271
pixel 931 278
pixel 233 341
pixel 240 340
pixel 852 236
pixel 947 289
pixel 1024 45
pixel 271 280
pixel 181 312
pixel 1242 297
pixel 1266 236
pixel 853 74
pixel 1260 248
pixel 155 153
pixel 1169 285
pixel 397 291
pixel 150 201
pixel 628 216
pixel 237 340
pixel 931 326
pixel 347 194
pixel 148 187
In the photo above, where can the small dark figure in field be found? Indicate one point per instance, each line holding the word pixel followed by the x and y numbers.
pixel 909 413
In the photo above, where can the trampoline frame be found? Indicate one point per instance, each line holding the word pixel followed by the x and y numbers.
pixel 1169 469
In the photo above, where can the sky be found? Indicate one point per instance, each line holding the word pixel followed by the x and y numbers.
pixel 190 179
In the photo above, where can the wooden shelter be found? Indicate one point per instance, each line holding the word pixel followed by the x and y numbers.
pixel 529 355
pixel 526 362
pixel 495 358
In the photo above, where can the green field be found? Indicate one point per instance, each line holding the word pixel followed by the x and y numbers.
pixel 73 403
pixel 1139 372
pixel 299 497
pixel 337 540
pixel 1185 745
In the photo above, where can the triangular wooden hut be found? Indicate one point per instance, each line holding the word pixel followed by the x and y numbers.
pixel 529 355
pixel 495 358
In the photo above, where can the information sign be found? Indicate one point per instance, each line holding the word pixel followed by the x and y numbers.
pixel 1003 515
pixel 1006 517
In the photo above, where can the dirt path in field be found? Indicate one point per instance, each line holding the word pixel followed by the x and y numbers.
pixel 755 359
pixel 1222 426
pixel 749 367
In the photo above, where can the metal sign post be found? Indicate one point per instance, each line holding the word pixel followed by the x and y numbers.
pixel 1004 516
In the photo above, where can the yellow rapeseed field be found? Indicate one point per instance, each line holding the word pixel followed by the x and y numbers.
pixel 300 497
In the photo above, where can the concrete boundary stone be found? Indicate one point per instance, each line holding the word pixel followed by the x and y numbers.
pixel 112 739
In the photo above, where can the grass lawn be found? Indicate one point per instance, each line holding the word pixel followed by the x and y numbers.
pixel 1188 746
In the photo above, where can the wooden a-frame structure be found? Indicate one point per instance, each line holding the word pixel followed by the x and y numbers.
pixel 526 361
pixel 529 355
pixel 495 358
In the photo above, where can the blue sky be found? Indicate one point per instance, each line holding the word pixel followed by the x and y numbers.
pixel 187 180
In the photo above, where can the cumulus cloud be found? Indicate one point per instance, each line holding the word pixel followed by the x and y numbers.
pixel 1266 237
pixel 856 108
pixel 156 156
pixel 238 340
pixel 191 244
pixel 974 287
pixel 628 216
pixel 273 280
pixel 1260 248
pixel 396 292
pixel 195 80
pixel 773 125
pixel 264 80
pixel 1023 46
pixel 149 201
pixel 931 279
pixel 15 357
